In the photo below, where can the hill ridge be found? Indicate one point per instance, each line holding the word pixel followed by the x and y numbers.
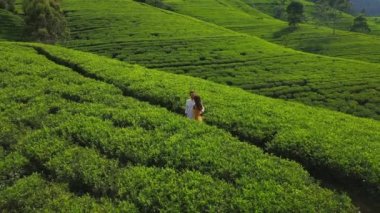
pixel 278 77
pixel 246 19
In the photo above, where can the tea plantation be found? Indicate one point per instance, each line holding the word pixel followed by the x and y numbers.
pixel 317 138
pixel 73 141
pixel 180 44
pixel 343 23
pixel 95 123
pixel 11 26
pixel 242 17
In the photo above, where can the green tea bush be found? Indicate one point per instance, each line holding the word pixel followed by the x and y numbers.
pixel 33 193
pixel 84 169
pixel 316 137
pixel 112 146
pixel 44 20
pixel 211 52
pixel 12 167
pixel 8 133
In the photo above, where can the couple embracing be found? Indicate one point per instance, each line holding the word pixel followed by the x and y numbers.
pixel 194 107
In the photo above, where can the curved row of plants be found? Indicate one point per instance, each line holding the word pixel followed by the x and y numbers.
pixel 33 193
pixel 317 138
pixel 246 16
pixel 101 146
pixel 150 189
pixel 155 38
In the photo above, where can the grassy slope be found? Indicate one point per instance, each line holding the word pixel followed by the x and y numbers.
pixel 11 26
pixel 344 23
pixel 376 21
pixel 161 39
pixel 92 136
pixel 239 16
pixel 319 138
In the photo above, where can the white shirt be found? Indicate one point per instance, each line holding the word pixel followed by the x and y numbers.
pixel 189 108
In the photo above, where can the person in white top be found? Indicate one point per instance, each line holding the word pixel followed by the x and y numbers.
pixel 190 103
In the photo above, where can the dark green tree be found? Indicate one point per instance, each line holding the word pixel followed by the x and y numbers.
pixel 360 24
pixel 8 5
pixel 330 11
pixel 279 9
pixel 44 20
pixel 295 13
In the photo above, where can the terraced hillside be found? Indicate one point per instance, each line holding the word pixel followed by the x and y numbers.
pixel 176 43
pixel 322 140
pixel 376 21
pixel 11 26
pixel 242 17
pixel 75 138
pixel 344 23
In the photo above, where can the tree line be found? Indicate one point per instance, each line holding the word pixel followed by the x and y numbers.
pixel 329 12
pixel 44 19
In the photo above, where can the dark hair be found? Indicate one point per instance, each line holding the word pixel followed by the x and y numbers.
pixel 198 103
pixel 191 92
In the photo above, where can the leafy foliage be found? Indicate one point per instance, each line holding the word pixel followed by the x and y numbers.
pixel 33 193
pixel 280 9
pixel 79 127
pixel 295 13
pixel 8 5
pixel 12 167
pixel 12 26
pixel 331 11
pixel 88 138
pixel 316 137
pixel 44 20
pixel 360 25
pixel 175 43
pixel 314 36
